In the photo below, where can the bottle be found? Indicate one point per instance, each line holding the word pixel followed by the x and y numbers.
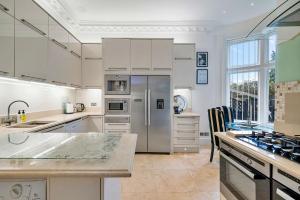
pixel 23 117
pixel 19 117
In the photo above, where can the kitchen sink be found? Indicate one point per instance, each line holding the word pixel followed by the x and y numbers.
pixel 31 124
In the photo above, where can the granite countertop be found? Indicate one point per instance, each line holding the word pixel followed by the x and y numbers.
pixel 284 164
pixel 55 120
pixel 67 154
pixel 187 114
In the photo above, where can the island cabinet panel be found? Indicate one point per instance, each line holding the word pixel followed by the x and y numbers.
pixel 116 54
pixel 162 54
pixel 74 188
pixel 92 66
pixel 6 44
pixel 140 55
pixel 7 6
pixel 95 124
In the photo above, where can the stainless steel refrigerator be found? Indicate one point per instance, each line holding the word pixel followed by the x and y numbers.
pixel 150 113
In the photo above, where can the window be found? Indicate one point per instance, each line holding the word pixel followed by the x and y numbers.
pixel 251 79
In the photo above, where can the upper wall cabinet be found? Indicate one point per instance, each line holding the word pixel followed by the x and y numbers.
pixel 6 44
pixel 92 66
pixel 116 55
pixel 162 54
pixel 7 6
pixel 184 63
pixel 140 55
pixel 58 34
pixel 30 14
pixel 74 45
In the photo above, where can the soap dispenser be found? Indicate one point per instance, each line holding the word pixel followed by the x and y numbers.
pixel 23 117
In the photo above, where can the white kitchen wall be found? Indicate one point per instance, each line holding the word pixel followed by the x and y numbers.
pixel 40 97
pixel 89 97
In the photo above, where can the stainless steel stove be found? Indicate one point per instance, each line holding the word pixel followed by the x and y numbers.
pixel 277 143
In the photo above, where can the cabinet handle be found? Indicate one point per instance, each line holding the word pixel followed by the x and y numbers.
pixel 93 58
pixel 33 78
pixel 160 68
pixel 117 68
pixel 186 131
pixel 2 7
pixel 139 68
pixel 116 131
pixel 51 129
pixel 75 54
pixel 187 124
pixel 3 72
pixel 93 86
pixel 183 58
pixel 118 124
pixel 59 44
pixel 33 27
pixel 59 83
pixel 76 86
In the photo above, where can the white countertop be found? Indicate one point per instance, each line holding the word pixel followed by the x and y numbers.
pixel 57 119
pixel 284 164
pixel 187 114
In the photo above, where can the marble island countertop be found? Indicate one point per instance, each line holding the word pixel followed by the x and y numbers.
pixel 284 164
pixel 55 120
pixel 67 154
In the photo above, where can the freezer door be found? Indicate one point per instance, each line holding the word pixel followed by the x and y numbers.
pixel 159 122
pixel 139 120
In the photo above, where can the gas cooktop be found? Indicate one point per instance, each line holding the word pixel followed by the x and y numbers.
pixel 277 143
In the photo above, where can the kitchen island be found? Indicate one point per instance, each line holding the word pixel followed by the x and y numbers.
pixel 64 166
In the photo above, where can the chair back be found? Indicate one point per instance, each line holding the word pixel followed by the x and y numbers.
pixel 216 123
pixel 228 114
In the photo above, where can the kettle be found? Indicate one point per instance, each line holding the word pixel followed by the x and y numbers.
pixel 68 108
pixel 80 107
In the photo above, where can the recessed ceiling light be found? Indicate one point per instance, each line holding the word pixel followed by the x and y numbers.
pixel 251 4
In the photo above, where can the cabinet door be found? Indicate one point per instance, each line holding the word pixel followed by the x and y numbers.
pixel 74 45
pixel 184 51
pixel 57 70
pixel 95 124
pixel 31 50
pixel 74 65
pixel 7 6
pixel 116 54
pixel 140 55
pixel 6 44
pixel 32 15
pixel 58 34
pixel 92 66
pixel 162 54
pixel 186 68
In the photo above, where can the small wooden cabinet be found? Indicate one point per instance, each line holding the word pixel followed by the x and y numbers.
pixel 92 66
pixel 6 44
pixel 186 133
pixel 116 55
pixel 184 63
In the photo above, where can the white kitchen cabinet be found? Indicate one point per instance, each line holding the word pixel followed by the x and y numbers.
pixel 74 45
pixel 31 51
pixel 74 65
pixel 92 66
pixel 29 13
pixel 186 133
pixel 95 123
pixel 58 34
pixel 8 6
pixel 116 55
pixel 74 126
pixel 140 55
pixel 6 44
pixel 184 64
pixel 162 54
pixel 55 129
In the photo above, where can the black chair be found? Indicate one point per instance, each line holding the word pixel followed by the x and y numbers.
pixel 228 114
pixel 216 124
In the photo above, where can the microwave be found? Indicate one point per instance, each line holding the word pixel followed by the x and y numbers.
pixel 117 106
pixel 117 84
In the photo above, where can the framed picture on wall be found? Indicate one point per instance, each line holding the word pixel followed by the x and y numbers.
pixel 202 76
pixel 202 59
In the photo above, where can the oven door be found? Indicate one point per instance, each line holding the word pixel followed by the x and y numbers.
pixel 116 107
pixel 280 192
pixel 117 85
pixel 241 182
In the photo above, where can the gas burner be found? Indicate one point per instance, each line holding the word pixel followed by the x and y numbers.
pixel 275 142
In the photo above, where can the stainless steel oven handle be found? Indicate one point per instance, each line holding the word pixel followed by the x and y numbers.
pixel 238 166
pixel 284 195
pixel 149 107
pixel 145 102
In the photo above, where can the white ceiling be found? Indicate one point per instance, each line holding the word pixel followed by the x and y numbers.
pixel 145 11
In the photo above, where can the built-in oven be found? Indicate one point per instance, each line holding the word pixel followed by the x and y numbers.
pixel 117 84
pixel 117 106
pixel 242 176
pixel 285 186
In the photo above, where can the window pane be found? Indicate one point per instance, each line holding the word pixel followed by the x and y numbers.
pixel 272 48
pixel 271 95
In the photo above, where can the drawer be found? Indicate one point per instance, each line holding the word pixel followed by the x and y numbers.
pixel 187 141
pixel 186 126
pixel 186 133
pixel 116 126
pixel 117 131
pixel 186 120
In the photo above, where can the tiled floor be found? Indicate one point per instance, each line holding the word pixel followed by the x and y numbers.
pixel 173 177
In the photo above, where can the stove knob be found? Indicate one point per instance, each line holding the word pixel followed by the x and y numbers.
pixel 249 161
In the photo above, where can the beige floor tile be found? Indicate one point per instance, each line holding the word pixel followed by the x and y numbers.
pixel 173 196
pixel 205 196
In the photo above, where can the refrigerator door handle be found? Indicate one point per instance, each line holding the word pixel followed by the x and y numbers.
pixel 145 102
pixel 149 107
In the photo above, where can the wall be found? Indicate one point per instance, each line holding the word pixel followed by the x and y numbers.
pixel 91 98
pixel 39 97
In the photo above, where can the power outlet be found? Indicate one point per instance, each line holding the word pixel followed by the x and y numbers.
pixel 93 104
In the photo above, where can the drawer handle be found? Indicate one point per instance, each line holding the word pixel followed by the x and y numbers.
pixel 119 124
pixel 117 68
pixel 59 44
pixel 93 58
pixel 76 86
pixel 140 68
pixel 75 54
pixel 2 7
pixel 187 124
pixel 186 131
pixel 92 86
pixel 33 78
pixel 59 83
pixel 3 72
pixel 27 23
pixel 162 68
pixel 183 58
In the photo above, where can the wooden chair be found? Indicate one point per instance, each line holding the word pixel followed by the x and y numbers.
pixel 216 124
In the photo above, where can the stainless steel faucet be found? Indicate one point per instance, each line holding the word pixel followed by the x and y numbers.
pixel 8 121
